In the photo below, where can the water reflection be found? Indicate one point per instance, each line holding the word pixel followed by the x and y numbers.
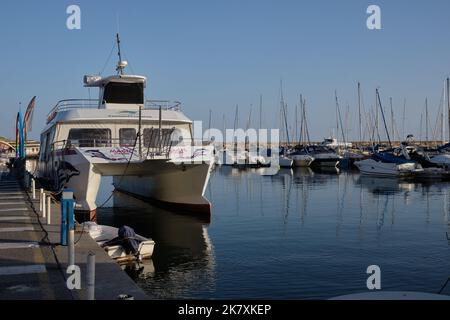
pixel 385 186
pixel 183 259
pixel 265 226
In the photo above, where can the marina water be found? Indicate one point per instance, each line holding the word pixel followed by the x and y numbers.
pixel 299 234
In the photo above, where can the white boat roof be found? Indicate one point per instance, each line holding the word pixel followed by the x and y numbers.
pixel 97 81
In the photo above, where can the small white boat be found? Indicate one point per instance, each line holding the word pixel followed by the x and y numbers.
pixel 379 168
pixel 103 234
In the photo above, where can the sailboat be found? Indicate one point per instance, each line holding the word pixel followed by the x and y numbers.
pixel 391 162
pixel 283 160
pixel 299 155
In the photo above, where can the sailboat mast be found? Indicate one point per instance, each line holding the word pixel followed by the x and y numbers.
pixel 448 105
pixel 384 119
pixel 359 111
pixel 306 122
pixel 426 119
pixel 442 119
pixel 224 131
pixel 392 119
pixel 338 109
pixel 235 125
pixel 300 139
pixel 296 122
pixel 403 118
pixel 286 124
pixel 209 125
pixel 260 119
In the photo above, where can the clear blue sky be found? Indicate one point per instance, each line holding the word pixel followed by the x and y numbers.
pixel 216 54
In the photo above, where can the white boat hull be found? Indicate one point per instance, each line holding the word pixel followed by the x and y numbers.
pixel 176 181
pixel 378 168
pixel 174 186
pixel 302 160
pixel 101 234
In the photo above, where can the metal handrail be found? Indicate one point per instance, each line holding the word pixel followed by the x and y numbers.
pixel 74 104
pixel 163 104
pixel 68 104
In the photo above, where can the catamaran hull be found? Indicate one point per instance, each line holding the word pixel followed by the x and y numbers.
pixel 177 181
pixel 181 187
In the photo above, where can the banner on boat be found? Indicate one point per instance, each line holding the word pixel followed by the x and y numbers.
pixel 179 154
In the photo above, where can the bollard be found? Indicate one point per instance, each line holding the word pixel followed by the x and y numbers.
pixel 67 205
pixel 49 208
pixel 43 205
pixel 33 188
pixel 68 224
pixel 41 193
pixel 91 276
pixel 71 247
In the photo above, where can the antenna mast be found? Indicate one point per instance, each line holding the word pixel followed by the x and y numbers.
pixel 121 64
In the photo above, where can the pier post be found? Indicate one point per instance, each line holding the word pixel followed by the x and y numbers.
pixel 49 206
pixel 43 205
pixel 41 193
pixel 33 188
pixel 71 247
pixel 68 224
pixel 91 276
pixel 67 220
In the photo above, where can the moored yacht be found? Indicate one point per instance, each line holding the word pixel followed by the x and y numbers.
pixel 323 156
pixel 146 145
pixel 393 163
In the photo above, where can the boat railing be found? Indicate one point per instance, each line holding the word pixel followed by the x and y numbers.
pixel 74 104
pixel 157 147
pixel 69 104
pixel 163 104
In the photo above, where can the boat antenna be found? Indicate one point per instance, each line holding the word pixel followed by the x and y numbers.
pixel 384 119
pixel 121 64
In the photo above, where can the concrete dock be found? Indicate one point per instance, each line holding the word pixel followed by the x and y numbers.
pixel 32 262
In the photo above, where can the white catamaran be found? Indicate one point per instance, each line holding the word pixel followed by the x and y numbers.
pixel 146 145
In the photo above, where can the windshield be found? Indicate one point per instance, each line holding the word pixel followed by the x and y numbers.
pixel 126 93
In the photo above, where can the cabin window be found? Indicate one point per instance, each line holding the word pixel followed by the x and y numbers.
pixel 151 137
pixel 90 137
pixel 127 137
pixel 126 93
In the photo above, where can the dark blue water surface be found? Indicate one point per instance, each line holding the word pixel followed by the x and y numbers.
pixel 296 235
